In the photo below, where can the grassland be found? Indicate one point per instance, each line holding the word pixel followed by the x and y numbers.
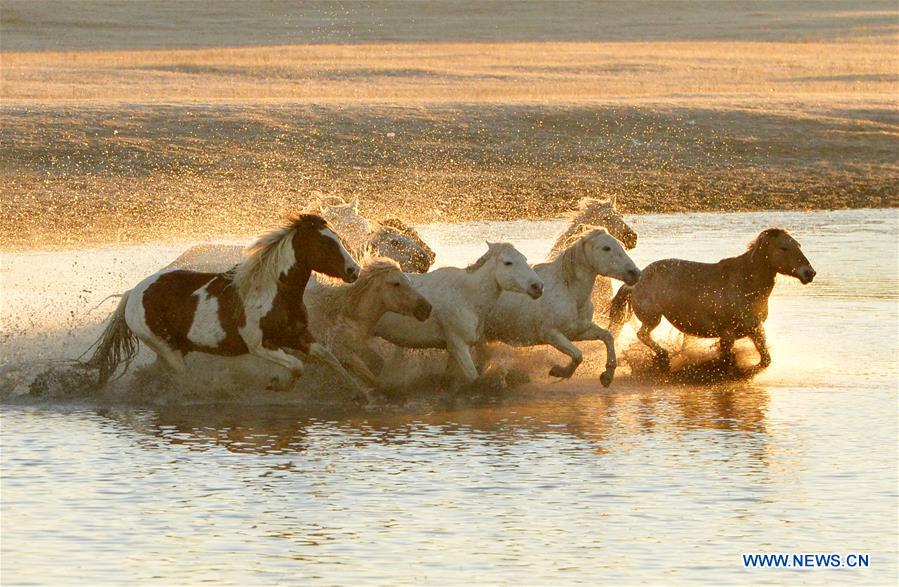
pixel 121 145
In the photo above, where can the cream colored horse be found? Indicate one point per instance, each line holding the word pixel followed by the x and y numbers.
pixel 343 317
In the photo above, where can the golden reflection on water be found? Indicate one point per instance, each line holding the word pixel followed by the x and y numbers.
pixel 600 418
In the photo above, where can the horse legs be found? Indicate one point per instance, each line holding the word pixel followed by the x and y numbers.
pixel 726 348
pixel 757 337
pixel 645 336
pixel 596 332
pixel 320 352
pixel 481 356
pixel 559 342
pixel 167 355
pixel 281 358
pixel 461 353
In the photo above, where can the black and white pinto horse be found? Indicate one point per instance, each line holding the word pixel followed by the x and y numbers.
pixel 256 308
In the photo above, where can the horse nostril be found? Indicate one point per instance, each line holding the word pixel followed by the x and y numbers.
pixel 536 290
pixel 352 273
pixel 423 310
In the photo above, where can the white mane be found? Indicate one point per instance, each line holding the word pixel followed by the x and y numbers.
pixel 266 259
pixel 493 249
pixel 568 257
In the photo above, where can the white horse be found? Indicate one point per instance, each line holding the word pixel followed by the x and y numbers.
pixel 565 311
pixel 392 238
pixel 343 317
pixel 593 212
pixel 460 299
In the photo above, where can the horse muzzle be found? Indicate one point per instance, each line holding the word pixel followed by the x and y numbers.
pixel 806 275
pixel 535 290
pixel 422 310
pixel 351 274
pixel 631 276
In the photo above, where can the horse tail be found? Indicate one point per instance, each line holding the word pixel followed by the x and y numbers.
pixel 620 310
pixel 116 345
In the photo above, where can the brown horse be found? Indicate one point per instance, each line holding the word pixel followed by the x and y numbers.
pixel 256 308
pixel 725 300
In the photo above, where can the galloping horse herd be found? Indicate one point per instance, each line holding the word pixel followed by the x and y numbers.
pixel 265 302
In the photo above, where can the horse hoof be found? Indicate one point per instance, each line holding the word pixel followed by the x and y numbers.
pixel 560 372
pixel 606 378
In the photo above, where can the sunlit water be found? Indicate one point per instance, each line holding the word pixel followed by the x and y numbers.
pixel 545 483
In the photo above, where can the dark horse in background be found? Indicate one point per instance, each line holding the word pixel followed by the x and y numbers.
pixel 727 300
pixel 256 308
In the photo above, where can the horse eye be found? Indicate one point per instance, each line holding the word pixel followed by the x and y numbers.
pixel 784 249
pixel 508 263
pixel 607 248
pixel 397 284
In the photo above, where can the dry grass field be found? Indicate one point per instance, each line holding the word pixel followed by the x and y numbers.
pixel 120 137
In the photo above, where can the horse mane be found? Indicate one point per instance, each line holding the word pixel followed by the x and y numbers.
pixel 582 220
pixel 266 257
pixel 570 237
pixel 340 296
pixel 567 257
pixel 763 237
pixel 493 249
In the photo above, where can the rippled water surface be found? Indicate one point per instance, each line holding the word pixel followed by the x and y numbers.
pixel 546 483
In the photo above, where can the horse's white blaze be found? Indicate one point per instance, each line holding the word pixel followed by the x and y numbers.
pixel 348 261
pixel 206 330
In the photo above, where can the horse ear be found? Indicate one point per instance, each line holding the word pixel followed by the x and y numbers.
pixel 354 204
pixel 613 199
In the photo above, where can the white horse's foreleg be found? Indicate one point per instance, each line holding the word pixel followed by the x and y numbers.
pixel 321 353
pixel 595 332
pixel 561 343
pixel 357 367
pixel 461 353
pixel 283 359
pixel 757 337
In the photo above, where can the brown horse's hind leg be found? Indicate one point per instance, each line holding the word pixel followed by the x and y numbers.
pixel 645 336
pixel 726 348
pixel 758 339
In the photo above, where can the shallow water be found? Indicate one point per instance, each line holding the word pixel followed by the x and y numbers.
pixel 546 483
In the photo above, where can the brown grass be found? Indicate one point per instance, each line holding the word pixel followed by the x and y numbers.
pixel 124 145
pixel 482 72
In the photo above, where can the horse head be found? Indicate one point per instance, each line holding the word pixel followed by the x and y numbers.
pixel 345 217
pixel 321 248
pixel 510 270
pixel 782 254
pixel 603 213
pixel 396 290
pixel 607 256
pixel 399 241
